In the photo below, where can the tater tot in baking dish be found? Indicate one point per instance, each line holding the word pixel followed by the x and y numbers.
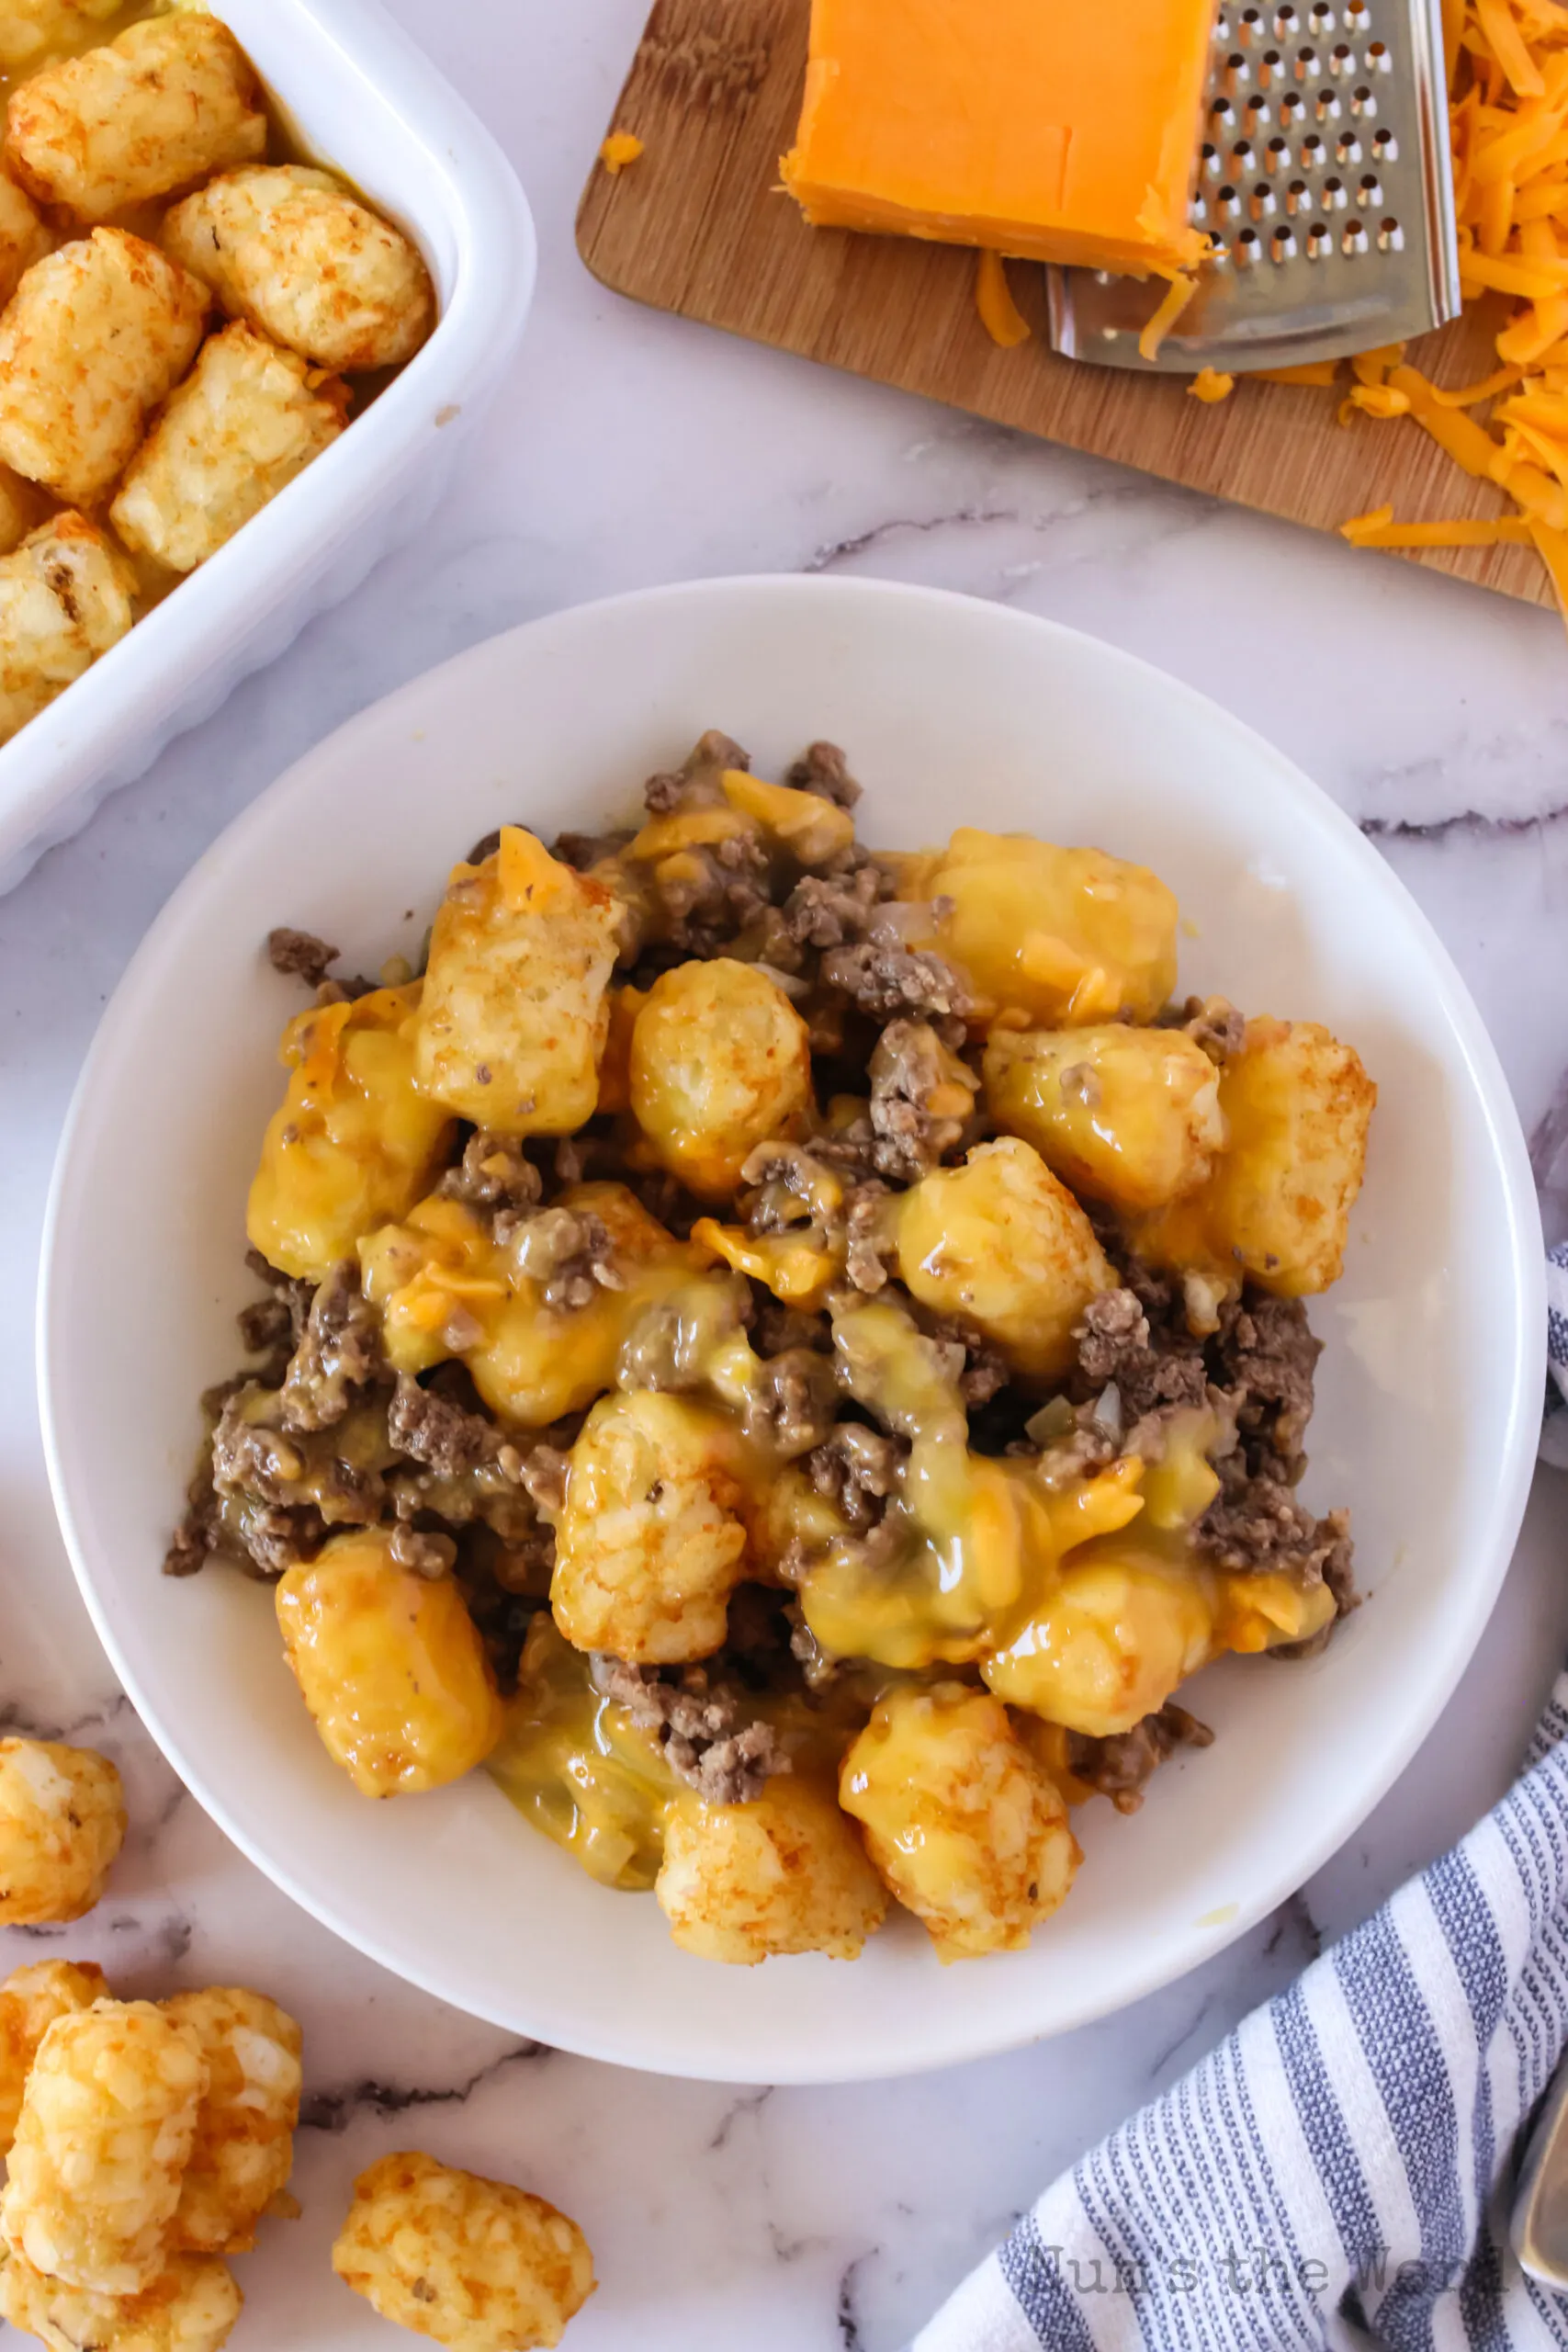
pixel 64 599
pixel 189 2307
pixel 25 235
pixel 28 28
pixel 93 339
pixel 246 420
pixel 287 248
pixel 171 100
pixel 62 1825
pixel 473 2263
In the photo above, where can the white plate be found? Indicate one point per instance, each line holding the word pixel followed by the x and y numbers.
pixel 359 94
pixel 951 710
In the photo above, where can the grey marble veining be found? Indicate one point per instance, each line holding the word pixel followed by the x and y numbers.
pixel 630 448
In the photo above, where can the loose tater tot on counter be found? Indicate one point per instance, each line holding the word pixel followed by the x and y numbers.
pixel 93 339
pixel 287 248
pixel 968 1829
pixel 720 1062
pixel 189 2307
pixel 25 235
pixel 475 2265
pixel 106 2132
pixel 246 420
pixel 244 2133
pixel 516 1013
pixel 170 100
pixel 64 599
pixel 354 1141
pixel 785 1873
pixel 1060 934
pixel 390 1663
pixel 28 28
pixel 651 1542
pixel 30 2000
pixel 62 1824
pixel 1003 1242
pixel 1298 1105
pixel 1126 1115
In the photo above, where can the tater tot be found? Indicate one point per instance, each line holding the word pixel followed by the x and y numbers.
pixel 64 599
pixel 1121 1628
pixel 1061 935
pixel 30 2000
pixel 292 251
pixel 353 1143
pixel 1002 1243
pixel 245 421
pixel 786 1873
pixel 651 1542
pixel 189 2307
pixel 62 1824
pixel 1298 1105
pixel 720 1062
pixel 1126 1115
pixel 968 1829
pixel 27 27
pixel 473 2263
pixel 245 2132
pixel 390 1665
pixel 169 101
pixel 515 1014
pixel 25 234
pixel 93 339
pixel 105 2133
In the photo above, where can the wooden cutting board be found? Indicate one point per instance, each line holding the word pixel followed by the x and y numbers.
pixel 698 226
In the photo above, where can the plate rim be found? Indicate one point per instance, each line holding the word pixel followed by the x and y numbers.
pixel 1507 1150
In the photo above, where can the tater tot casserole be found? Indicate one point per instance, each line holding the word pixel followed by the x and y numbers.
pixel 786 1355
pixel 189 315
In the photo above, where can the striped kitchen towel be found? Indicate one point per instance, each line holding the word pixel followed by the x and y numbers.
pixel 1554 1428
pixel 1338 2172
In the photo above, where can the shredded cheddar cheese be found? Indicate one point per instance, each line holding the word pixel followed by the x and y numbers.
pixel 621 148
pixel 999 314
pixel 1209 385
pixel 1178 294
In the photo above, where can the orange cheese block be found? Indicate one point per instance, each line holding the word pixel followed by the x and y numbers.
pixel 1065 130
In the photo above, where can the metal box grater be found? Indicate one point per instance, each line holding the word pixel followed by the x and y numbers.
pixel 1326 183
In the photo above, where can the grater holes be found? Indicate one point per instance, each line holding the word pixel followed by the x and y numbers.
pixel 1292 108
pixel 1221 31
pixel 1268 68
pixel 1279 155
pixel 1319 241
pixel 1379 57
pixel 1246 248
pixel 1222 114
pixel 1326 106
pixel 1259 112
pixel 1355 240
pixel 1391 236
pixel 1309 65
pixel 1209 161
pixel 1298 197
pixel 1227 204
pixel 1322 18
pixel 1250 24
pixel 1263 203
pixel 1357 16
pixel 1284 21
pixel 1349 151
pixel 1282 245
pixel 1313 152
pixel 1370 193
pixel 1363 102
pixel 1242 158
pixel 1341 60
pixel 1238 72
pixel 1334 194
pixel 1385 147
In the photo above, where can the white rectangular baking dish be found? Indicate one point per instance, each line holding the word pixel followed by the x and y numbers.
pixel 359 95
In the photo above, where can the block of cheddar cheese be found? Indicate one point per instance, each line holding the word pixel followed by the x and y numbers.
pixel 1064 131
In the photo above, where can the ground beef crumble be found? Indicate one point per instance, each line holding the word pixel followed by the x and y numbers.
pixel 887 980
pixel 493 1173
pixel 338 1356
pixel 1120 1767
pixel 696 1721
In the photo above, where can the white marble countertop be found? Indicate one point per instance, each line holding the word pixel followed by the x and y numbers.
pixel 630 448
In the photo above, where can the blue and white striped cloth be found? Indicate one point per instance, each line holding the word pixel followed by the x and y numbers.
pixel 1554 1428
pixel 1338 2172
